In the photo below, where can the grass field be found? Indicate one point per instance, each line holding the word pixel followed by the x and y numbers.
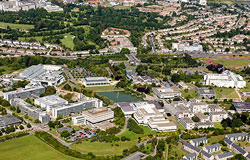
pixel 134 136
pixel 217 125
pixel 68 41
pixel 191 92
pixel 225 92
pixel 233 62
pixel 221 1
pixel 101 148
pixel 30 148
pixel 37 38
pixel 175 152
pixel 103 88
pixel 215 139
pixel 16 26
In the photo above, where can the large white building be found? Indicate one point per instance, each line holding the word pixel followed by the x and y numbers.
pixel 165 93
pixel 49 101
pixel 149 114
pixel 225 79
pixel 218 116
pixel 24 92
pixel 43 74
pixel 64 110
pixel 95 81
pixel 93 116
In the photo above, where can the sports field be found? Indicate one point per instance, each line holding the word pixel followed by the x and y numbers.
pixel 233 62
pixel 30 148
pixel 16 26
pixel 68 41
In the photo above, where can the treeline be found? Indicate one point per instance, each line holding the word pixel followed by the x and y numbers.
pixel 12 136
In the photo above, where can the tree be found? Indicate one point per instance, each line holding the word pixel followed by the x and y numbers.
pixel 125 51
pixel 175 78
pixel 21 127
pixel 65 134
pixel 195 119
pixel 37 121
pixel 18 110
pixel 28 125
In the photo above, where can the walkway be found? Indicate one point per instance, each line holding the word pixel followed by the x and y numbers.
pixel 125 127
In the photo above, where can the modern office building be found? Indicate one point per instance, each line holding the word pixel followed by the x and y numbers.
pixel 225 79
pixel 165 93
pixel 43 74
pixel 30 110
pixel 24 93
pixel 9 120
pixel 95 81
pixel 48 101
pixel 93 116
pixel 63 110
pixel 206 93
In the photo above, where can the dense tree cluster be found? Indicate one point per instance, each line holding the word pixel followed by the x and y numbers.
pixel 134 127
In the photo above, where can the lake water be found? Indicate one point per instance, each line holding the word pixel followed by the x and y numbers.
pixel 119 96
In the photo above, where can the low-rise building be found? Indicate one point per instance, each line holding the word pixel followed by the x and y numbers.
pixel 206 124
pixel 190 156
pixel 24 93
pixel 242 106
pixel 224 156
pixel 9 120
pixel 225 79
pixel 212 148
pixel 187 123
pixel 237 136
pixel 238 150
pixel 63 110
pixel 95 81
pixel 30 110
pixel 206 156
pixel 165 93
pixel 206 93
pixel 191 148
pixel 48 101
pixel 218 116
pixel 198 141
pixel 93 116
pixel 202 117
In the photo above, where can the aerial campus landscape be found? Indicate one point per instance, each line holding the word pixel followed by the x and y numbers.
pixel 125 79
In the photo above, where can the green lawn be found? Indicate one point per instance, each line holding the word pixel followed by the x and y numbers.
pixel 68 41
pixel 37 38
pixel 16 26
pixel 134 136
pixel 30 148
pixel 103 88
pixel 217 125
pixel 233 62
pixel 101 148
pixel 215 139
pixel 190 92
pixel 225 92
pixel 175 152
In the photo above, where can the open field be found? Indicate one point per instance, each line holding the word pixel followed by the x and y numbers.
pixel 215 139
pixel 37 38
pixel 217 125
pixel 16 26
pixel 230 62
pixel 100 148
pixel 221 1
pixel 176 152
pixel 30 148
pixel 134 136
pixel 225 92
pixel 68 41
pixel 103 88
